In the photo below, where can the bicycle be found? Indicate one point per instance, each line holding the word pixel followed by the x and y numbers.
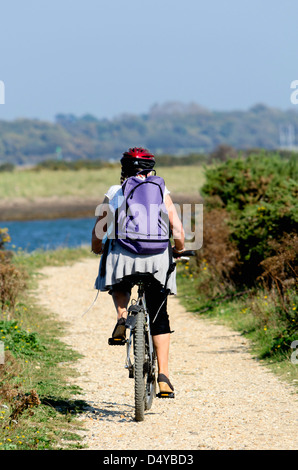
pixel 140 352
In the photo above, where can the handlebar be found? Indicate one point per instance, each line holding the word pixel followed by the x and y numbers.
pixel 184 255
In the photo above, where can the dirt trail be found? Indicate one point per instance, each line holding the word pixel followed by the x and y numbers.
pixel 224 398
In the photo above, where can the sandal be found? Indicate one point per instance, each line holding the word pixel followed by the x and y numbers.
pixel 165 387
pixel 120 329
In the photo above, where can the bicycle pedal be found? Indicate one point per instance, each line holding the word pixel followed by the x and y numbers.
pixel 165 395
pixel 117 341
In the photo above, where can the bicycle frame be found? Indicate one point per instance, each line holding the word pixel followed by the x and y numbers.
pixel 134 309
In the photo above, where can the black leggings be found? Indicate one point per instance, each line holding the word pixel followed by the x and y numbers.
pixel 156 300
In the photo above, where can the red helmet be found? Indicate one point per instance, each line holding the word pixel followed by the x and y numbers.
pixel 138 157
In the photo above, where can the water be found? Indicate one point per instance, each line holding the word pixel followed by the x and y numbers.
pixel 49 234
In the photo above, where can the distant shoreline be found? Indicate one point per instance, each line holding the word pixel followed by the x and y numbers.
pixel 63 207
pixel 46 208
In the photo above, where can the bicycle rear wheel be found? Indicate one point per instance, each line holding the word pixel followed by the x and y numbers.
pixel 150 379
pixel 139 363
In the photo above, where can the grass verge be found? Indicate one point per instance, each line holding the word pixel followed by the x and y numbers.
pixel 241 312
pixel 86 183
pixel 38 398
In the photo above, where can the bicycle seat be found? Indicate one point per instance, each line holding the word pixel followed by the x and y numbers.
pixel 144 278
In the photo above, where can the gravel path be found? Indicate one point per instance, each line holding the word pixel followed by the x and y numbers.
pixel 224 398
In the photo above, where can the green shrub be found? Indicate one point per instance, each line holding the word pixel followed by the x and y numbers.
pixel 17 340
pixel 12 279
pixel 4 238
pixel 73 165
pixel 11 284
pixel 260 196
pixel 250 180
pixel 251 241
pixel 7 167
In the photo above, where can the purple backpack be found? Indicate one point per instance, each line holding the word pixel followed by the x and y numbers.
pixel 142 221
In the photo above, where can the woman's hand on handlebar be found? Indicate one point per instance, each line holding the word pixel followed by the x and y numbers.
pixel 182 253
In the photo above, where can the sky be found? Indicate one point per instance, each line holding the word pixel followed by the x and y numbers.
pixel 112 57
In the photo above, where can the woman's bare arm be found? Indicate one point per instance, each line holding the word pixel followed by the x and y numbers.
pixel 175 224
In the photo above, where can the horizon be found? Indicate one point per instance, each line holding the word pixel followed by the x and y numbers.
pixel 151 110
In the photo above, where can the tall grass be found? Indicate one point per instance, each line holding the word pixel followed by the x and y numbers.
pixel 87 183
pixel 37 403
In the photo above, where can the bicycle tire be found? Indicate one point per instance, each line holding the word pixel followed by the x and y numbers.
pixel 139 361
pixel 150 383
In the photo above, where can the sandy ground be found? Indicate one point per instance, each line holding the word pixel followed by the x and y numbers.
pixel 224 398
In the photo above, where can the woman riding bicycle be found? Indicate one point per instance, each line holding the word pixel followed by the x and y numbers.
pixel 118 263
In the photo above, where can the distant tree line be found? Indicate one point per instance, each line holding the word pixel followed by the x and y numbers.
pixel 171 129
pixel 222 153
